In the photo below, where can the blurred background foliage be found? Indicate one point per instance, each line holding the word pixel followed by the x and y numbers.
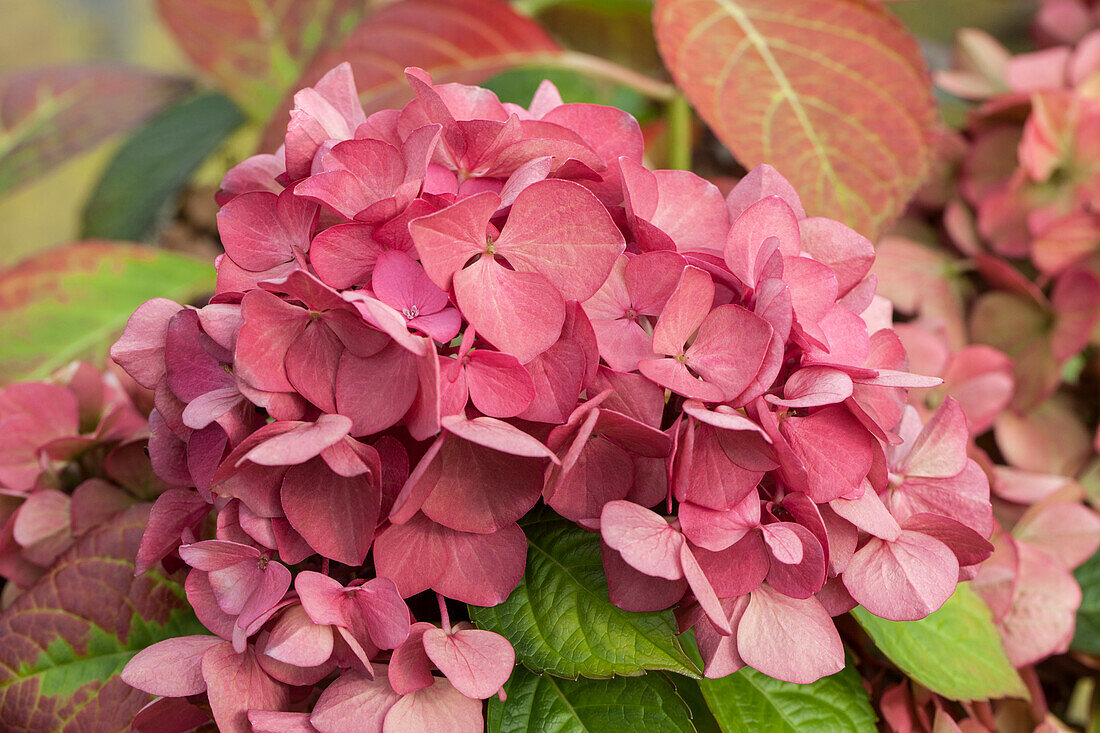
pixel 37 33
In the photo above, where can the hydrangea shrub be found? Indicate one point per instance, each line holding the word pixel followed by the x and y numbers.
pixel 430 320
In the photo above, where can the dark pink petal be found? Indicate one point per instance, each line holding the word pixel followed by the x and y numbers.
pixel 703 590
pixel 275 584
pixel 169 715
pixel 94 502
pixel 170 668
pixel 704 472
pixel 730 348
pixel 270 328
pixel 344 255
pixel 476 662
pixel 493 298
pixel 353 704
pixel 481 569
pixel 378 609
pixel 834 449
pixel 645 540
pixel 557 376
pixel 400 282
pixel 377 391
pixel 737 569
pixel 632 590
pixel 334 514
pixel 970 548
pixel 964 498
pixel 715 529
pixel 473 488
pixel 903 580
pixel 410 669
pixel 719 651
pixel 499 386
pixel 235 684
pixel 261 230
pixel 200 596
pixel 789 639
pixel 674 375
pixel 806 575
pixel 212 555
pixel 438 707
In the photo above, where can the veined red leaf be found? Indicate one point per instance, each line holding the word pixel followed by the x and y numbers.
pixel 833 93
pixel 257 48
pixel 464 41
pixel 72 302
pixel 68 637
pixel 49 115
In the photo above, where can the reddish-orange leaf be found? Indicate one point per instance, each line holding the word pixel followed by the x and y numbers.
pixel 464 41
pixel 49 115
pixel 833 93
pixel 257 48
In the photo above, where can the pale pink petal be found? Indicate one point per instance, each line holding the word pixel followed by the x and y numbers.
pixel 476 662
pixel 170 668
pixel 789 639
pixel 644 538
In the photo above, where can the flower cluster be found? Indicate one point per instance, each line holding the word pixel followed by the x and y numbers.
pixel 429 319
pixel 72 454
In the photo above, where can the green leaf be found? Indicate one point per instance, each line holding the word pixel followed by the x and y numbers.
pixel 544 704
pixel 750 700
pixel 1087 636
pixel 72 302
pixel 67 638
pixel 49 115
pixel 956 652
pixel 560 619
pixel 153 166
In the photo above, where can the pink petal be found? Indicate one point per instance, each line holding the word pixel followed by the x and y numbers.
pixel 344 255
pixel 685 310
pixel 410 669
pixel 730 348
pixel 717 529
pixel 476 662
pixel 833 448
pixel 170 668
pixel 903 580
pixel 353 704
pixel 940 449
pixel 295 639
pixel 868 513
pixel 140 349
pixel 762 181
pixel 301 443
pixel 438 707
pixel 447 239
pixel 498 435
pixel 377 391
pixel 235 684
pixel 789 639
pixel 814 386
pixel 704 592
pixel 492 299
pixel 645 540
pixel 771 216
pixel 499 385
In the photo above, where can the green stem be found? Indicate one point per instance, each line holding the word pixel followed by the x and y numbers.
pixel 600 68
pixel 679 133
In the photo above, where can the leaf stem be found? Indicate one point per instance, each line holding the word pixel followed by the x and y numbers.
pixel 679 116
pixel 601 68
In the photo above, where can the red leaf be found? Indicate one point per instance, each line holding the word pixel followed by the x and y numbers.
pixel 254 48
pixel 833 93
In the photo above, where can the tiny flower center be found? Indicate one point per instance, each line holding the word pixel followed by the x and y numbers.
pixel 411 312
pixel 262 562
pixel 490 248
pixel 631 314
pixel 681 357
